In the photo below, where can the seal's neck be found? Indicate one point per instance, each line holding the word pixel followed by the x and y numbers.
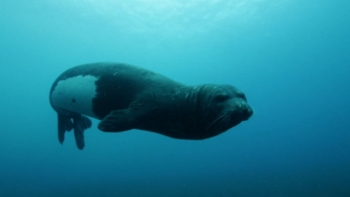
pixel 190 97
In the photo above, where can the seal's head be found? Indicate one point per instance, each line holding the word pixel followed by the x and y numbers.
pixel 222 107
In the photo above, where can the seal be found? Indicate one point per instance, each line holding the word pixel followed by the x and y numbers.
pixel 127 97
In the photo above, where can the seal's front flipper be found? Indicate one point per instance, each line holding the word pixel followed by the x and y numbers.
pixel 117 120
pixel 81 123
pixel 64 124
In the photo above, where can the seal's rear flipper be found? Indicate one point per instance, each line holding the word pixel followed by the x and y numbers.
pixel 117 120
pixel 81 123
pixel 64 124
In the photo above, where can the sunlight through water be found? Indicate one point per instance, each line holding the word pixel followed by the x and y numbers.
pixel 181 18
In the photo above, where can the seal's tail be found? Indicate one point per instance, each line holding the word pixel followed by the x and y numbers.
pixel 64 124
pixel 79 123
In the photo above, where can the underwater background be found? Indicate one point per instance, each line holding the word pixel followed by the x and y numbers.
pixel 290 57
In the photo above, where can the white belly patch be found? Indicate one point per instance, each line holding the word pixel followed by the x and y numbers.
pixel 76 94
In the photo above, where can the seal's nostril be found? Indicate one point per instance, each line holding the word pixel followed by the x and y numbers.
pixel 249 111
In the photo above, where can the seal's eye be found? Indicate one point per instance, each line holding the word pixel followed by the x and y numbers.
pixel 221 98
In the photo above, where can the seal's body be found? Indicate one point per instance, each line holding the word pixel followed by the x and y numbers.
pixel 126 97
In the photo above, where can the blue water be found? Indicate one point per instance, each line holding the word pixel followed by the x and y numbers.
pixel 290 57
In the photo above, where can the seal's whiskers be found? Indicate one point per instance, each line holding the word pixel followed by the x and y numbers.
pixel 218 118
pixel 226 120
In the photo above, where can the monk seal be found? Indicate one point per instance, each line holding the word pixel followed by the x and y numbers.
pixel 127 97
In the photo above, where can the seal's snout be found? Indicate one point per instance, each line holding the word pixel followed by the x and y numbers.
pixel 245 111
pixel 248 112
pixel 241 110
